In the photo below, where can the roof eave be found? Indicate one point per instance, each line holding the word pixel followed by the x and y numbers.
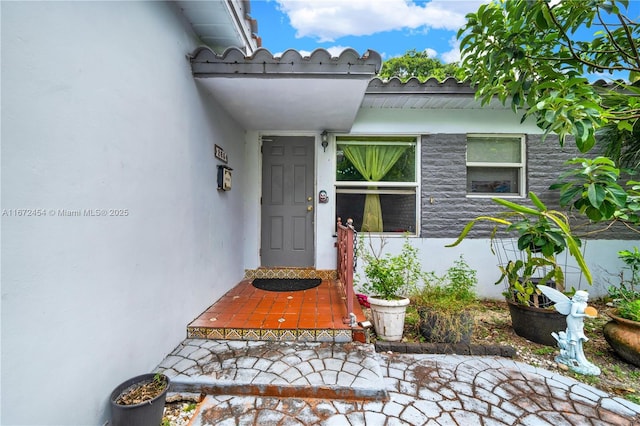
pixel 287 92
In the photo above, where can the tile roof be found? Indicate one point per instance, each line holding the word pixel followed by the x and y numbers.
pixel 205 63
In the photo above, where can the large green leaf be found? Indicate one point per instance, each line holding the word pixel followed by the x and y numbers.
pixel 471 223
pixel 517 207
pixel 596 194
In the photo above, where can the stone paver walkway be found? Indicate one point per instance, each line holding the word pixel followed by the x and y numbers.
pixel 261 368
pixel 278 383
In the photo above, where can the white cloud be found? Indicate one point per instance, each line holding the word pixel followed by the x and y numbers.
pixel 431 52
pixel 452 55
pixel 335 51
pixel 328 20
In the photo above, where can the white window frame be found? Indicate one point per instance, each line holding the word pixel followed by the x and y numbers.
pixel 521 165
pixel 412 188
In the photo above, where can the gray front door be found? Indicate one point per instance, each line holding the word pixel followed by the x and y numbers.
pixel 287 201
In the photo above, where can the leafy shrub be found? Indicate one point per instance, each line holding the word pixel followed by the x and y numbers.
pixel 630 310
pixel 454 291
pixel 627 293
pixel 390 277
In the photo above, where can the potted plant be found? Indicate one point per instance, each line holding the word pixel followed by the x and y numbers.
pixel 139 401
pixel 532 315
pixel 623 331
pixel 389 279
pixel 444 302
pixel 542 234
pixel 522 277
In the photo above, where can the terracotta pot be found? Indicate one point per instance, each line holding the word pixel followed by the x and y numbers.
pixel 536 324
pixel 623 336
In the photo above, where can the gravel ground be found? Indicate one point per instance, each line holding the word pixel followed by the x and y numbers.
pixel 179 409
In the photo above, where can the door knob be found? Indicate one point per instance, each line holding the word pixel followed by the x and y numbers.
pixel 309 198
pixel 309 208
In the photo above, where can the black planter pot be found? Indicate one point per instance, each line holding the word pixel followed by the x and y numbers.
pixel 437 327
pixel 148 413
pixel 536 324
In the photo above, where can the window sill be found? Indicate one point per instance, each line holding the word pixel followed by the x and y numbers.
pixel 489 196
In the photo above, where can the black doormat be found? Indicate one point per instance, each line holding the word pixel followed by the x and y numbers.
pixel 286 284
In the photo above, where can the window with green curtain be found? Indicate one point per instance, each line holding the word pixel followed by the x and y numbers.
pixel 389 162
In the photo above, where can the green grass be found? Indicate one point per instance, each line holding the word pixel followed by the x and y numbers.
pixel 617 371
pixel 590 380
pixel 633 398
pixel 544 351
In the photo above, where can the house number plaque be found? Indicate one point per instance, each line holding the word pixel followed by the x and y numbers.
pixel 220 154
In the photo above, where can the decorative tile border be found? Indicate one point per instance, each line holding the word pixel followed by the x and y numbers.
pixel 343 336
pixel 234 334
pixel 196 333
pixel 288 335
pixel 306 335
pixel 325 274
pixel 261 334
pixel 251 334
pixel 215 333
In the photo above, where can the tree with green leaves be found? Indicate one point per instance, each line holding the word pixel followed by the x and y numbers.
pixel 418 65
pixel 621 146
pixel 592 188
pixel 533 55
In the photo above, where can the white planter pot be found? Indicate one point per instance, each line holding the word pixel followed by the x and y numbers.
pixel 388 317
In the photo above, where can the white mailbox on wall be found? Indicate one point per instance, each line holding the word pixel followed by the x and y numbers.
pixel 224 178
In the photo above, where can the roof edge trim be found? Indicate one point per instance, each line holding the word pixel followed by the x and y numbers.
pixel 430 86
pixel 233 61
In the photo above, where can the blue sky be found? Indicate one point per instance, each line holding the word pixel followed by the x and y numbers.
pixel 390 27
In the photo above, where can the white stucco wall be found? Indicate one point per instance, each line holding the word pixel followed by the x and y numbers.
pixel 434 256
pixel 416 121
pixel 100 111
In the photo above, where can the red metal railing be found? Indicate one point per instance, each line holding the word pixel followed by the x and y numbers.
pixel 346 244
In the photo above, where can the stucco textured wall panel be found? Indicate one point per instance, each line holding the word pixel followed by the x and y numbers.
pixel 100 112
pixel 445 206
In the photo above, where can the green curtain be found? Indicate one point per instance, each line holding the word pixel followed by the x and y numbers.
pixel 373 162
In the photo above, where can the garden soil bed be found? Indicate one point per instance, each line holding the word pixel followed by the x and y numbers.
pixel 493 335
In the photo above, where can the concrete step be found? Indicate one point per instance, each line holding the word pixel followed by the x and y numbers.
pixel 345 371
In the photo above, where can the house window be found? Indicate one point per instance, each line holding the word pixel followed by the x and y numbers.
pixel 376 183
pixel 495 165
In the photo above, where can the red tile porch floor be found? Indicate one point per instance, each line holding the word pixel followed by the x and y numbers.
pixel 248 313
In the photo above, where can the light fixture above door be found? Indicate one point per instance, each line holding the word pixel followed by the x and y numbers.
pixel 324 138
